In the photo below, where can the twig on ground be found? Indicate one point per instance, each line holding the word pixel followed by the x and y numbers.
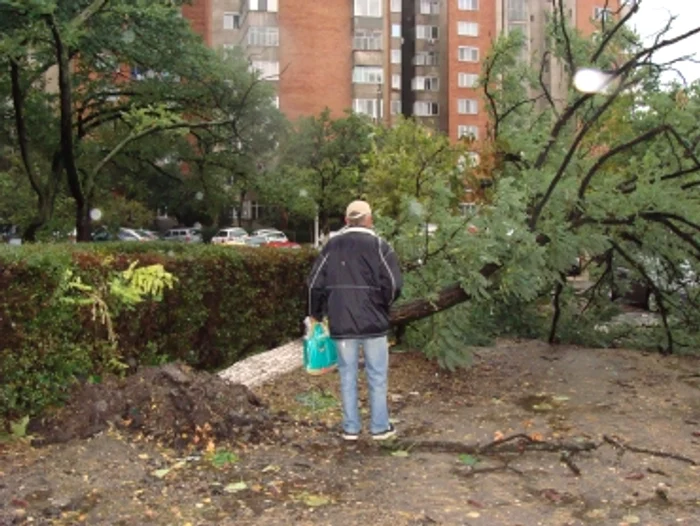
pixel 653 452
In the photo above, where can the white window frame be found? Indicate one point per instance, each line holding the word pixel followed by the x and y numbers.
pixel 368 75
pixel 468 5
pixel 602 13
pixel 368 39
pixel 467 80
pixel 426 108
pixel 396 6
pixel 263 36
pixel 425 83
pixel 396 56
pixel 395 107
pixel 468 54
pixel 424 32
pixel 467 106
pixel 272 6
pixel 368 8
pixel 253 5
pixel 429 7
pixel 395 30
pixel 426 58
pixel 467 29
pixel 466 130
pixel 396 82
pixel 370 107
pixel 268 69
pixel 234 19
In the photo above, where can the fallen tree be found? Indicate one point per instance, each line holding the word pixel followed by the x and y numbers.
pixel 608 175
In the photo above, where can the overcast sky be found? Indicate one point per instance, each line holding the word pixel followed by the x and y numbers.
pixel 651 18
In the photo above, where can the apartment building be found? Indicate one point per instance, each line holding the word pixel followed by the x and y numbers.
pixel 385 57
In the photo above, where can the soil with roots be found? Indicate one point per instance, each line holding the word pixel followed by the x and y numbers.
pixel 530 435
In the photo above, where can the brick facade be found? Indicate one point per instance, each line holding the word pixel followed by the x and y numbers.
pixel 315 56
pixel 199 14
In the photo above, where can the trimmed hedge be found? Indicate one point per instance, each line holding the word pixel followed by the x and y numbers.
pixel 228 303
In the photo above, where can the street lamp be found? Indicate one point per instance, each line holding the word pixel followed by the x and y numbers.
pixel 304 193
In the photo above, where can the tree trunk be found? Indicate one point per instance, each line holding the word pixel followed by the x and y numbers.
pixel 452 295
pixel 82 223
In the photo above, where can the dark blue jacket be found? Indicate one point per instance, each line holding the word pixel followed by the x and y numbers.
pixel 354 281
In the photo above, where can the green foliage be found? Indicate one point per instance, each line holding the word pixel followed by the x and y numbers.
pixel 205 305
pixel 320 166
pixel 148 105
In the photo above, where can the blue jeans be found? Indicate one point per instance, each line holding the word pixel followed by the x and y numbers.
pixel 376 351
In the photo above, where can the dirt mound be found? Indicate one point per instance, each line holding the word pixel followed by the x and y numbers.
pixel 171 404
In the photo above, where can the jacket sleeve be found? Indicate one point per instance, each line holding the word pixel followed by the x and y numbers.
pixel 317 286
pixel 392 280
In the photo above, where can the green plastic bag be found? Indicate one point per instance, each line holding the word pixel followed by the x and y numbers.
pixel 320 352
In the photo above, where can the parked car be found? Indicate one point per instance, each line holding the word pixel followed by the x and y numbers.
pixel 282 244
pixel 129 234
pixel 150 235
pixel 183 235
pixel 255 241
pixel 230 236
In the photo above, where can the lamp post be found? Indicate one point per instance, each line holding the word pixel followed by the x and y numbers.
pixel 304 193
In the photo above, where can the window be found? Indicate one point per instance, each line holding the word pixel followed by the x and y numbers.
pixel 468 29
pixel 429 7
pixel 272 6
pixel 263 5
pixel 468 5
pixel 395 107
pixel 367 75
pixel 425 84
pixel 426 58
pixel 517 10
pixel 468 54
pixel 467 80
pixel 268 70
pixel 602 13
pixel 467 132
pixel 371 8
pixel 232 21
pixel 467 106
pixel 371 107
pixel 396 82
pixel 396 30
pixel 395 6
pixel 423 108
pixel 427 32
pixel 368 39
pixel 263 36
pixel 396 56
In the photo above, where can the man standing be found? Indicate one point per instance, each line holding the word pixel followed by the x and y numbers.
pixel 354 281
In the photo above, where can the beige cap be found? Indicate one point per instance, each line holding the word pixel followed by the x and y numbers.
pixel 358 209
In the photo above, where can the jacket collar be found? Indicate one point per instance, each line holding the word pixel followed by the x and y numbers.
pixel 359 230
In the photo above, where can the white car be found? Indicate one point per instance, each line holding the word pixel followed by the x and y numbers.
pixel 271 234
pixel 230 236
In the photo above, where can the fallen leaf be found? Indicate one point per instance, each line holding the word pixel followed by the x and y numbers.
pixel 316 500
pixel 475 503
pixel 270 468
pixel 561 398
pixel 631 519
pixel 400 453
pixel 498 435
pixel 536 437
pixel 235 487
pixel 161 473
pixel 635 476
pixel 473 514
pixel 468 460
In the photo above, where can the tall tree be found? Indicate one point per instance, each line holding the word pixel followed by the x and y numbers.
pixel 114 89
